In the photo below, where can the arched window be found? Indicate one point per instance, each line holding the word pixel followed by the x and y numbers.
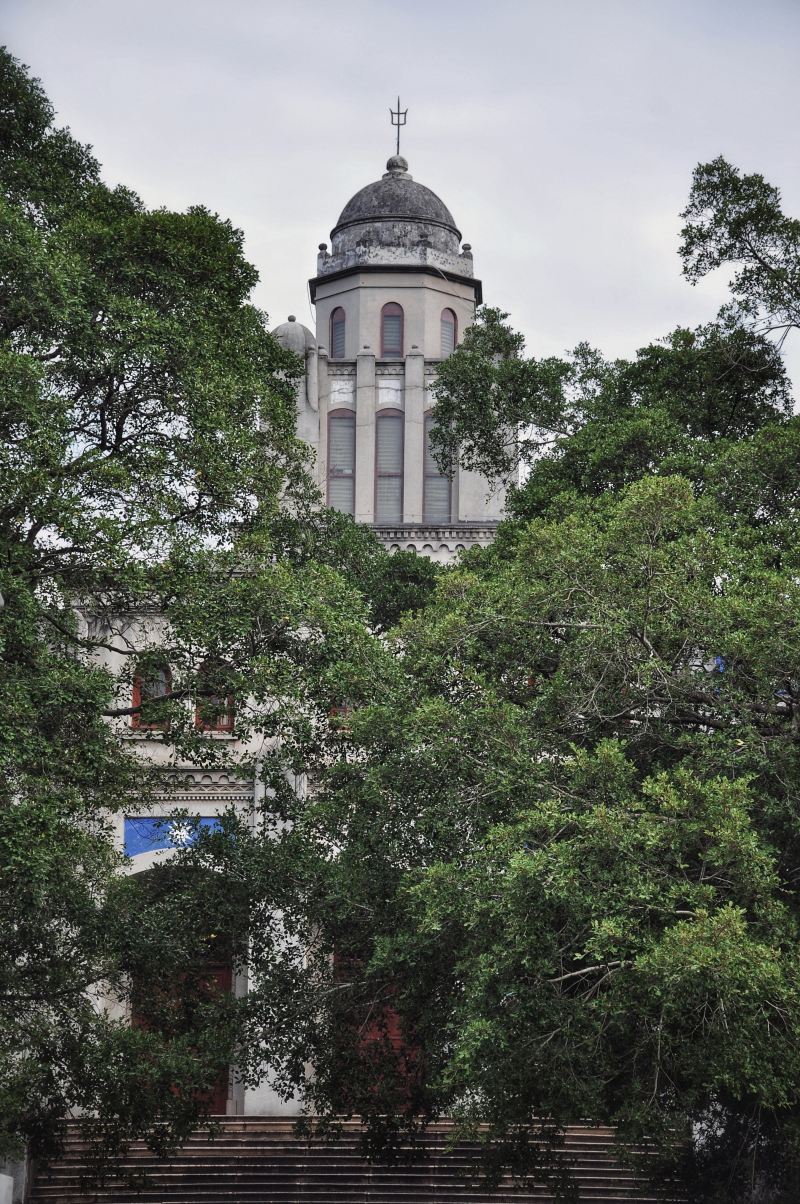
pixel 391 330
pixel 436 503
pixel 389 467
pixel 215 711
pixel 342 461
pixel 337 334
pixel 449 331
pixel 150 684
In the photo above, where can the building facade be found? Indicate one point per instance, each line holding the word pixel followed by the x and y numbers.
pixel 393 297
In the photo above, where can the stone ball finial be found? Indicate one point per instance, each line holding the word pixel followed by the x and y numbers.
pixel 291 318
pixel 397 163
pixel 323 246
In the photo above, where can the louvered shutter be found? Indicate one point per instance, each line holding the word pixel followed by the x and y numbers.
pixel 448 333
pixel 337 335
pixel 389 468
pixel 341 462
pixel 437 501
pixel 392 336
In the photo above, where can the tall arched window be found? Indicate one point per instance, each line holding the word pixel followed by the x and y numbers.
pixel 436 502
pixel 391 330
pixel 150 684
pixel 337 333
pixel 449 330
pixel 215 708
pixel 389 467
pixel 342 461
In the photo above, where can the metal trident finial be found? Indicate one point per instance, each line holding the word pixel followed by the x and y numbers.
pixel 400 114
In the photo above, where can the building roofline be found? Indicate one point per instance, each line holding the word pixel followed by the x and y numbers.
pixel 426 269
pixel 397 217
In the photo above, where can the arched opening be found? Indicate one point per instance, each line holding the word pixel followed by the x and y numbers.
pixel 391 330
pixel 338 328
pixel 389 432
pixel 181 961
pixel 449 332
pixel 342 461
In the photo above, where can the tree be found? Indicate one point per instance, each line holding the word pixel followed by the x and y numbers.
pixel 568 845
pixel 565 809
pixel 583 424
pixel 736 220
pixel 155 505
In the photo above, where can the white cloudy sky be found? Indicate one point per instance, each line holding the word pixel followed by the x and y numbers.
pixel 561 133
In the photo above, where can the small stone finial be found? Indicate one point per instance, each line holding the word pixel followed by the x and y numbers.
pixel 291 318
pixel 396 165
pixel 323 246
pixel 467 247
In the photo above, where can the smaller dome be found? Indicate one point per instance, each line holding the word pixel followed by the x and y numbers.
pixel 295 337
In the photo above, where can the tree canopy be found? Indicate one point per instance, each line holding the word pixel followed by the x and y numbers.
pixel 565 816
pixel 524 854
pixel 155 505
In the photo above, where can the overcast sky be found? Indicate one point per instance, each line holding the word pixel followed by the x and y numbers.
pixel 561 134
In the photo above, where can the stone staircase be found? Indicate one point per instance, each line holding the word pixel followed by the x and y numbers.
pixel 259 1160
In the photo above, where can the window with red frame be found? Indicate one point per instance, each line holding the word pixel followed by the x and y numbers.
pixel 215 710
pixel 391 330
pixel 151 683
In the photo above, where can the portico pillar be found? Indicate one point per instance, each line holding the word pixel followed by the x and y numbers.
pixel 365 438
pixel 414 436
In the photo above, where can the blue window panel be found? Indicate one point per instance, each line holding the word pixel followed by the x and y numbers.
pixel 150 834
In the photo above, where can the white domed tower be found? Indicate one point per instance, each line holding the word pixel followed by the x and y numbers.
pixel 393 297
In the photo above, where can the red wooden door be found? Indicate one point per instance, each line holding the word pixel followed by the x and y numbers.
pixel 217 979
pixel 170 1009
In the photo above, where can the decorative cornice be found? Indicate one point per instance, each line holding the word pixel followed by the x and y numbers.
pixel 450 531
pixel 425 269
pixel 206 781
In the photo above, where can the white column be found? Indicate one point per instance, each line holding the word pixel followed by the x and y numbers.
pixel 414 436
pixel 323 399
pixel 365 438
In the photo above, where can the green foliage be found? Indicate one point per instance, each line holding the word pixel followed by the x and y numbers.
pixel 584 425
pixel 564 807
pixel 526 837
pixel 567 834
pixel 735 220
pixel 486 392
pixel 154 505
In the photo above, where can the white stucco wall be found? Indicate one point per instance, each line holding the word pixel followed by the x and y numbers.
pixel 365 384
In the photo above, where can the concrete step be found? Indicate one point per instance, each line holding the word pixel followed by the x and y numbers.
pixel 257 1160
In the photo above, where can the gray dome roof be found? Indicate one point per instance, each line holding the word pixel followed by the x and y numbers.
pixel 294 336
pixel 396 197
